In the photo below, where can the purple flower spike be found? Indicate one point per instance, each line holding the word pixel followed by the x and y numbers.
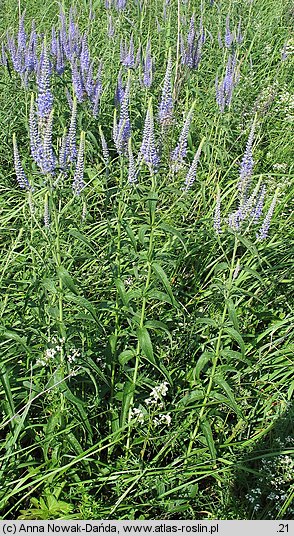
pixel 78 180
pixel 49 160
pixel 122 130
pixel 110 27
pixel 132 174
pixel 22 37
pixel 128 59
pixel 77 82
pixel 121 5
pixel 246 167
pixel 35 140
pixel 20 174
pixel 72 134
pixel 262 234
pixel 166 103
pixel 228 35
pixel 105 150
pixel 45 98
pixel 85 60
pixel 148 66
pixel 180 152
pixel 3 56
pixel 148 152
pixel 239 36
pixel 257 212
pixel 191 175
pixel 119 92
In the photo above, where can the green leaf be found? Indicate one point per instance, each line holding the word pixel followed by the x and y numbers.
pixel 232 314
pixel 122 291
pixel 219 380
pixel 151 202
pixel 66 279
pixel 202 361
pixel 49 285
pixel 237 337
pixel 131 236
pixel 125 356
pixel 83 302
pixel 13 336
pixel 207 321
pixel 79 236
pixel 163 278
pixel 154 294
pixel 145 343
pixel 169 229
pixel 206 429
pixel 141 233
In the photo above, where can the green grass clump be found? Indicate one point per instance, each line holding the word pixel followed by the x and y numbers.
pixel 146 366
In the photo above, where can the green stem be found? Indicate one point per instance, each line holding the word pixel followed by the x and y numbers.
pixel 144 302
pixel 117 275
pixel 216 356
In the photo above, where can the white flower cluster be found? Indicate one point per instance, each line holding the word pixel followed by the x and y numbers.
pixel 162 419
pixel 73 355
pixel 280 167
pixel 156 394
pixel 156 403
pixel 137 415
pixel 276 477
pixel 50 353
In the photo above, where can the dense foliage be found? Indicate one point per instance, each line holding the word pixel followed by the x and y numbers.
pixel 146 324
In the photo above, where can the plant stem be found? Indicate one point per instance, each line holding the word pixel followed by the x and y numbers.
pixel 144 302
pixel 216 356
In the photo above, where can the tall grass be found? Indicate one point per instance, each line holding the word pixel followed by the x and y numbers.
pixel 147 341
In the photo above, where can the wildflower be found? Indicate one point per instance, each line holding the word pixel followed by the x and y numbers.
pixel 257 211
pixel 237 270
pixel 137 415
pixel 122 130
pixel 239 36
pixel 247 163
pixel 228 35
pixel 180 152
pixel 127 56
pixel 105 150
pixel 191 55
pixel 263 231
pixel 78 180
pixel 71 144
pixel 77 82
pixel 148 151
pixel 97 90
pixel 119 92
pixel 20 174
pixel 63 150
pixel 191 175
pixel 121 5
pixel 85 60
pixel 132 174
pixel 110 27
pixel 224 88
pixel 159 391
pixel 45 98
pixel 35 140
pixel 148 66
pixel 166 103
pixel 48 160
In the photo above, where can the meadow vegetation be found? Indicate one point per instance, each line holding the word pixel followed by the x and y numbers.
pixel 146 306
